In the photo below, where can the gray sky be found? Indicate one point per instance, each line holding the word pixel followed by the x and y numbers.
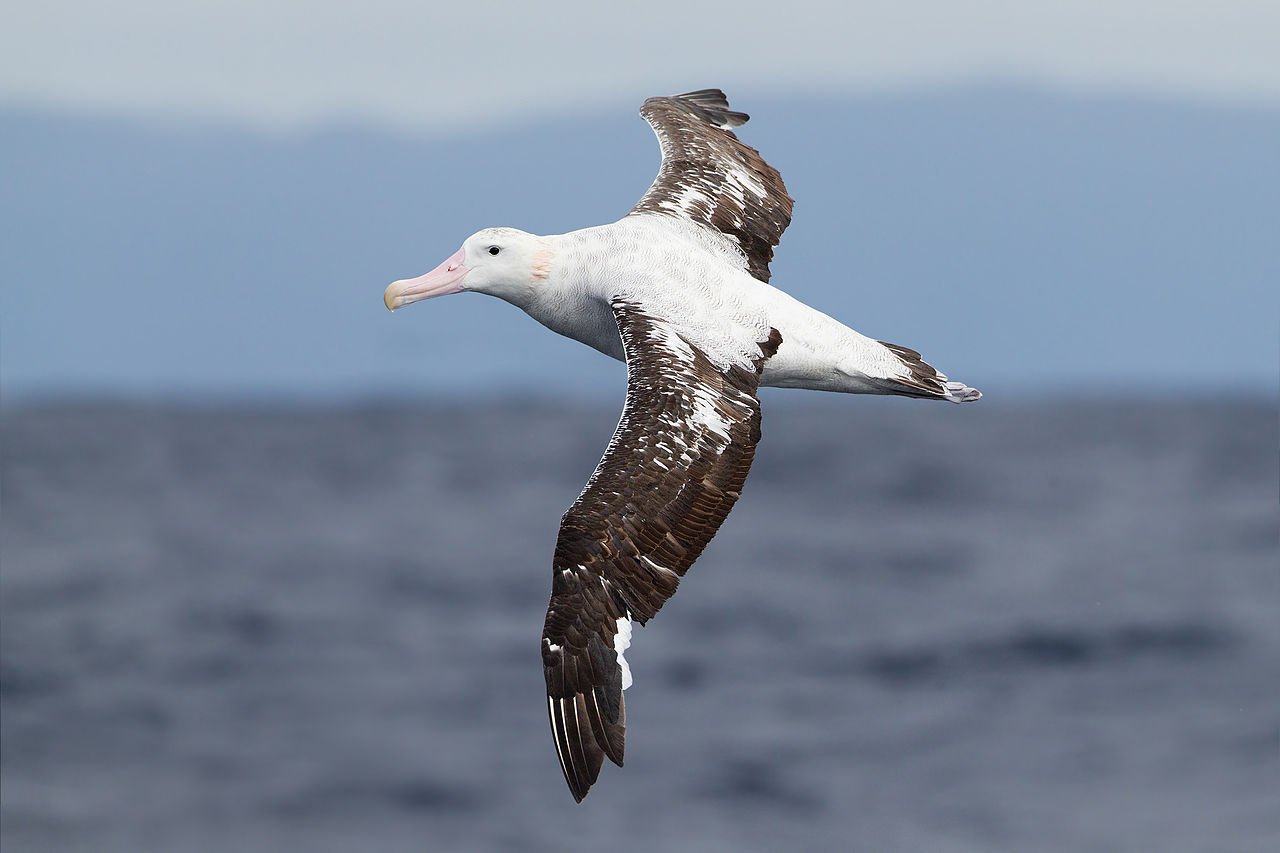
pixel 444 66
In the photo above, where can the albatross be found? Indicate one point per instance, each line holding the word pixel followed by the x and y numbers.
pixel 679 290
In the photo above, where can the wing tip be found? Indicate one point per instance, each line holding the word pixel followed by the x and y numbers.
pixel 581 766
pixel 711 104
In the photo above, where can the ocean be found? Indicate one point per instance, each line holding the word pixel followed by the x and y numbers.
pixel 1038 627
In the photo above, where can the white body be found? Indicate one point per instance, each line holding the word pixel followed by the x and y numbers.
pixel 673 280
pixel 695 279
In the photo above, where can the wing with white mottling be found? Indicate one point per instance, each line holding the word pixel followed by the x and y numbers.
pixel 668 479
pixel 709 176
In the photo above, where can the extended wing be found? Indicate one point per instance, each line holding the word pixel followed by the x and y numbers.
pixel 710 177
pixel 668 479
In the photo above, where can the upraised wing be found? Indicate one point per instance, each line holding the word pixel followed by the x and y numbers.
pixel 668 479
pixel 709 176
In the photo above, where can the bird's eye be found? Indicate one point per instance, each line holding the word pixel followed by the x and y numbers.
pixel 493 250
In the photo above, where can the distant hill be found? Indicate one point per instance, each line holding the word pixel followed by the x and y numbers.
pixel 1025 242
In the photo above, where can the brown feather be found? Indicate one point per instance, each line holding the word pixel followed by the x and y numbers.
pixel 667 481
pixel 711 177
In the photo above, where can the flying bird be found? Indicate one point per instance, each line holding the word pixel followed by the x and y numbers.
pixel 679 290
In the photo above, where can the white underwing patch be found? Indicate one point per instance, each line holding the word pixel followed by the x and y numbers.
pixel 622 642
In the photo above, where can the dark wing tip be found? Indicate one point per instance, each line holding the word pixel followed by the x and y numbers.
pixel 580 757
pixel 713 105
pixel 584 738
pixel 587 711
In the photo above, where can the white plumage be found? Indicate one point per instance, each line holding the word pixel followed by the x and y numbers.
pixel 679 289
pixel 695 279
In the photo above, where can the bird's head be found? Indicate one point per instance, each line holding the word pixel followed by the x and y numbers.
pixel 502 262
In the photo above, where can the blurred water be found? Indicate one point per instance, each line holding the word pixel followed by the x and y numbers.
pixel 923 628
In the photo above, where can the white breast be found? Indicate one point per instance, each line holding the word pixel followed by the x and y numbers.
pixel 672 269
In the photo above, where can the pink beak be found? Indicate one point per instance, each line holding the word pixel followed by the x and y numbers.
pixel 444 279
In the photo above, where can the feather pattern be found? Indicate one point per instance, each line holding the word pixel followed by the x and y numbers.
pixel 670 475
pixel 709 176
pixel 678 289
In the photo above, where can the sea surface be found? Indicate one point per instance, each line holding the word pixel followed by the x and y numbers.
pixel 1049 627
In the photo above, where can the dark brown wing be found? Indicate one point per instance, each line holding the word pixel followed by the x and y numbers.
pixel 709 176
pixel 669 477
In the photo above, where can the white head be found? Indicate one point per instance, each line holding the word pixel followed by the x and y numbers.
pixel 502 262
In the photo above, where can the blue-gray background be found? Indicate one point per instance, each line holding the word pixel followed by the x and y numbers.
pixel 1021 240
pixel 275 561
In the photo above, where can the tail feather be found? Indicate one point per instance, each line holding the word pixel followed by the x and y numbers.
pixel 958 392
pixel 924 380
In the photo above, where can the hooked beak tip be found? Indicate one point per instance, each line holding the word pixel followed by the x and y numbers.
pixel 389 298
